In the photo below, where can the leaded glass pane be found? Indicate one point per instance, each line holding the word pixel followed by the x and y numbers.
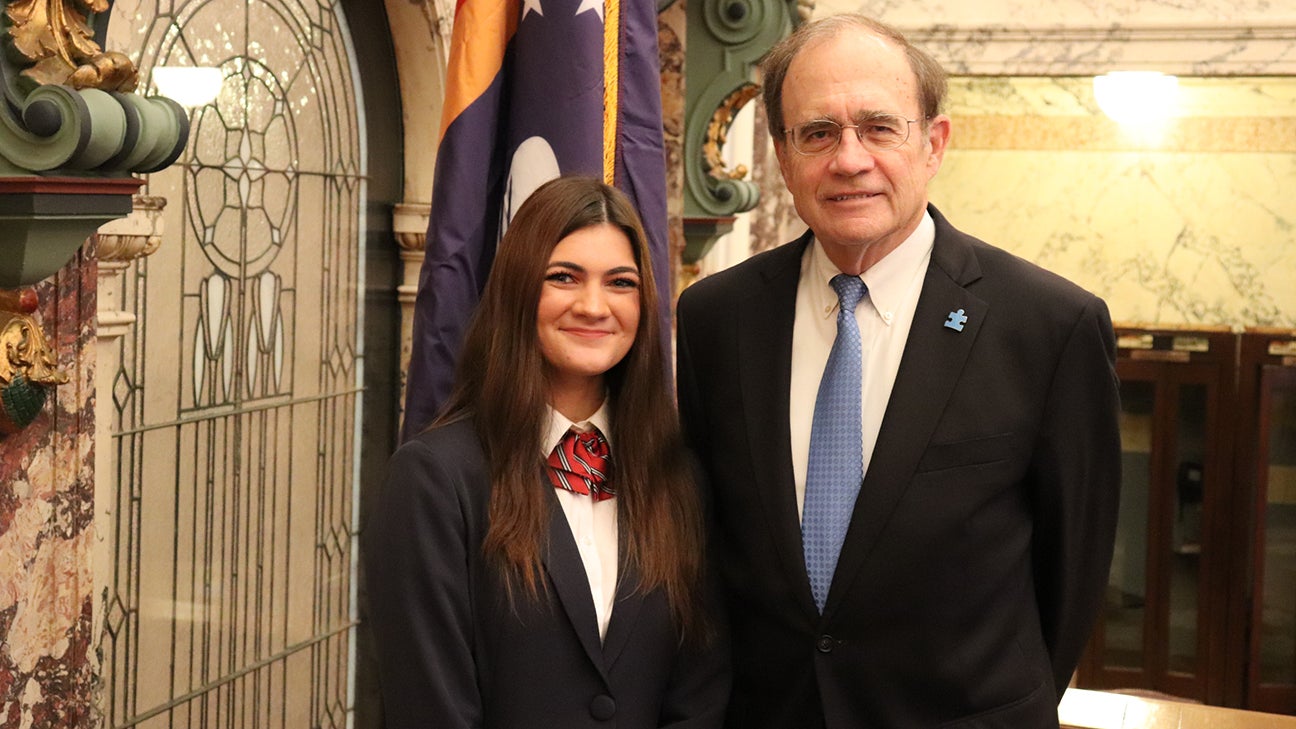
pixel 237 396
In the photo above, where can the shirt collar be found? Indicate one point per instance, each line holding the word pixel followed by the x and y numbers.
pixel 888 280
pixel 559 425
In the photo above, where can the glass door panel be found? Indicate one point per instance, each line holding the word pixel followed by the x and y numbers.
pixel 1184 561
pixel 1277 611
pixel 1156 632
pixel 1125 614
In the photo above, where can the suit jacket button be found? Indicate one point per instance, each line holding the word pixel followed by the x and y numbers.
pixel 825 643
pixel 602 707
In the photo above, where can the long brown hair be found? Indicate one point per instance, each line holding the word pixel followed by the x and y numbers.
pixel 501 385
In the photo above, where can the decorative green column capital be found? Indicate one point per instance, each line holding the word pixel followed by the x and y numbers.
pixel 725 40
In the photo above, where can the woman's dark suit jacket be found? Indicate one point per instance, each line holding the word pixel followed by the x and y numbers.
pixel 453 652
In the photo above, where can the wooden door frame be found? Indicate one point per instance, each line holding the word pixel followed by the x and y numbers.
pixel 1171 358
pixel 1261 367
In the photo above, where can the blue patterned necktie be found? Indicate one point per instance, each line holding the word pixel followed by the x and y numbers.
pixel 836 464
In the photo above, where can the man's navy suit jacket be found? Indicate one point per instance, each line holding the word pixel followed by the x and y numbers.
pixel 978 550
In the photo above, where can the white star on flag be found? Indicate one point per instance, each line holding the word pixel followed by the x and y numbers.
pixel 595 5
pixel 531 5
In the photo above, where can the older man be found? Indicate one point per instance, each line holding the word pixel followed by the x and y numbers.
pixel 911 435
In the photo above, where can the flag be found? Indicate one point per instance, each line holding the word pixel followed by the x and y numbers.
pixel 530 97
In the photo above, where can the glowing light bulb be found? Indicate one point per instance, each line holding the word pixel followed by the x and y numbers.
pixel 188 86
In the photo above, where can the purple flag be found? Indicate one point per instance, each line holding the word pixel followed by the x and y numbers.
pixel 525 104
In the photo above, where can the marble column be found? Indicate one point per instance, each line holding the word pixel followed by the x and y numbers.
pixel 49 670
pixel 118 244
pixel 670 49
pixel 409 224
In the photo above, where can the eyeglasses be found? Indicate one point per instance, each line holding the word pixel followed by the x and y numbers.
pixel 877 132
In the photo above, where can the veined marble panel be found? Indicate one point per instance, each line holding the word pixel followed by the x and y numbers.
pixel 48 665
pixel 1209 37
pixel 1271 97
pixel 1197 226
pixel 1066 13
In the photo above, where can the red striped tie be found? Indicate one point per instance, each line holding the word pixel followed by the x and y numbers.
pixel 580 464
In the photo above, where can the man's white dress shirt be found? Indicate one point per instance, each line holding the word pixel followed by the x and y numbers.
pixel 884 315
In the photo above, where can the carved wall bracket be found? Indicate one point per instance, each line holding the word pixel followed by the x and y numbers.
pixel 71 135
pixel 72 132
pixel 118 244
pixel 725 40
pixel 70 108
pixel 135 236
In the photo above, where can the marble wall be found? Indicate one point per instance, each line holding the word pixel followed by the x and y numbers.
pixel 1189 224
pixel 1027 37
pixel 1192 223
pixel 48 668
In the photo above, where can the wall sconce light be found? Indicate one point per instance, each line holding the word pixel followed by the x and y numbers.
pixel 1137 98
pixel 188 86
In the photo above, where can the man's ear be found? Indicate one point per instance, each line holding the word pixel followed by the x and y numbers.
pixel 781 151
pixel 938 138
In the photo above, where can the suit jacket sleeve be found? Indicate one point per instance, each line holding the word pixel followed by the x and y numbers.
pixel 699 687
pixel 698 692
pixel 416 551
pixel 690 406
pixel 1076 469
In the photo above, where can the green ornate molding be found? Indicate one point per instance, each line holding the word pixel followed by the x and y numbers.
pixel 725 40
pixel 72 132
pixel 71 108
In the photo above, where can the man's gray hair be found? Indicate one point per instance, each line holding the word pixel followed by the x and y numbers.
pixel 774 65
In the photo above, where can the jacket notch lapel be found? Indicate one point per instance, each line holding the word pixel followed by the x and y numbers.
pixel 765 369
pixel 566 571
pixel 625 612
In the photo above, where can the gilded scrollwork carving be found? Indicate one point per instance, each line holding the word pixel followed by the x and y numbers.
pixel 28 370
pixel 70 108
pixel 55 39
pixel 718 132
pixel 110 71
pixel 26 354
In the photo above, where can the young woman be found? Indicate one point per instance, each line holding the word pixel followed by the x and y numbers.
pixel 535 557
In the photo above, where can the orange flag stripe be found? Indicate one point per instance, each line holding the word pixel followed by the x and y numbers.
pixel 482 30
